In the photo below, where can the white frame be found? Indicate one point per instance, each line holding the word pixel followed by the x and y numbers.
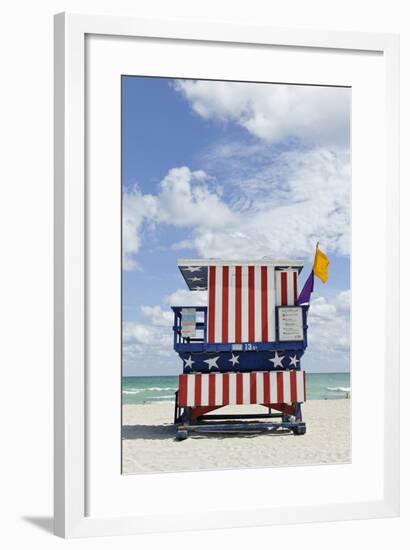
pixel 70 263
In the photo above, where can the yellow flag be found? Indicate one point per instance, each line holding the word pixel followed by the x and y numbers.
pixel 320 265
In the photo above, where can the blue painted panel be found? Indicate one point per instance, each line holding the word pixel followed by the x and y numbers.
pixel 248 348
pixel 241 361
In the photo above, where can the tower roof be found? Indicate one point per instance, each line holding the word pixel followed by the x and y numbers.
pixel 195 271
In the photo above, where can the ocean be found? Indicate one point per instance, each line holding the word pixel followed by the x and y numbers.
pixel 153 389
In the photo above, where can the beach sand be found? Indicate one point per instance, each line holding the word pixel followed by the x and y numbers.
pixel 149 441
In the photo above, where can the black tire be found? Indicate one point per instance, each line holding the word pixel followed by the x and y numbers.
pixel 299 430
pixel 181 435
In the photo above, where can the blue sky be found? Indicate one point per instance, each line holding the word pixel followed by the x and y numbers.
pixel 231 170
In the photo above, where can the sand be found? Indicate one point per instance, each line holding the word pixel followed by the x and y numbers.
pixel 149 443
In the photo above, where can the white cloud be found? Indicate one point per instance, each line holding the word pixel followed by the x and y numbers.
pixel 184 200
pixel 264 200
pixel 274 112
pixel 157 316
pixel 184 297
pixel 147 347
pixel 329 333
pixel 306 199
pixel 342 302
pixel 146 334
pixel 136 208
pixel 185 244
pixel 148 344
pixel 322 310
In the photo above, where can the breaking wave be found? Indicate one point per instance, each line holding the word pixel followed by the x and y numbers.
pixel 135 391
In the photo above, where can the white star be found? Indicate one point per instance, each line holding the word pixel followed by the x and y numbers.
pixel 189 362
pixel 276 360
pixel 192 269
pixel 198 288
pixel 234 360
pixel 195 278
pixel 212 362
pixel 293 361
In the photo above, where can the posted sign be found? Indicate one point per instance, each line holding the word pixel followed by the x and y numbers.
pixel 290 324
pixel 188 329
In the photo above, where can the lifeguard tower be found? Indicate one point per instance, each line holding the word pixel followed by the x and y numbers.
pixel 244 347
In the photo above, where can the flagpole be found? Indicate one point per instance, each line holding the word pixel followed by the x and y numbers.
pixel 317 246
pixel 313 278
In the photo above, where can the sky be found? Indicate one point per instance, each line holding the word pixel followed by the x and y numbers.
pixel 231 170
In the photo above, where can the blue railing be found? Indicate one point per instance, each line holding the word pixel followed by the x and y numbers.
pixel 200 326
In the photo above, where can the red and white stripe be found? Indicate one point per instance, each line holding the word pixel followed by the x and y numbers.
pixel 241 304
pixel 287 291
pixel 241 388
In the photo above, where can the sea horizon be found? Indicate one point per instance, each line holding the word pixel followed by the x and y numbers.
pixel 145 389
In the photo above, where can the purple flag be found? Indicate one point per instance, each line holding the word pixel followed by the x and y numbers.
pixel 304 296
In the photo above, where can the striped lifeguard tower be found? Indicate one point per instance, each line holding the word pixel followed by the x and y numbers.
pixel 244 347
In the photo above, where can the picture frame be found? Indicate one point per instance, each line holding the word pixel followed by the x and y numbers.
pixel 71 260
